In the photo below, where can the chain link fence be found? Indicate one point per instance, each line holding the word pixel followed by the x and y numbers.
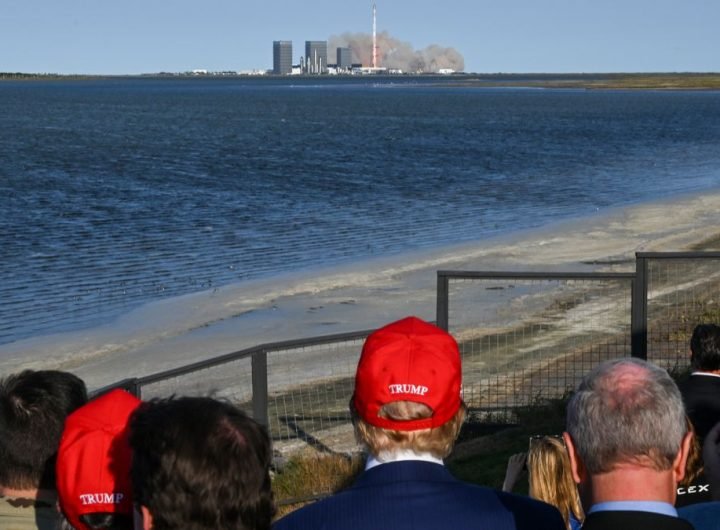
pixel 683 290
pixel 529 337
pixel 524 338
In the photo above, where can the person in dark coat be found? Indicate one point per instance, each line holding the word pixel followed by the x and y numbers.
pixel 407 411
pixel 701 391
pixel 628 444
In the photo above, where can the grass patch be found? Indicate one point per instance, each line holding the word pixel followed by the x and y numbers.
pixel 307 475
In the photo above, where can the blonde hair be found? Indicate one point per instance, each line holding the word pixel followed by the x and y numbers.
pixel 550 477
pixel 438 441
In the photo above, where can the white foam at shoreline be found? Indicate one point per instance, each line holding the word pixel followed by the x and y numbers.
pixel 363 295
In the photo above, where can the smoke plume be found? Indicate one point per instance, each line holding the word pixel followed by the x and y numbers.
pixel 396 54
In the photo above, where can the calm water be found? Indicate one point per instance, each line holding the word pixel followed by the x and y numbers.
pixel 115 193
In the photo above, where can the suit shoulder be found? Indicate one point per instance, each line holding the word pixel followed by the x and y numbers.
pixel 521 501
pixel 531 513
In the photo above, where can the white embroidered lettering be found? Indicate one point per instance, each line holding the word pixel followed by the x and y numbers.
pixel 101 498
pixel 406 388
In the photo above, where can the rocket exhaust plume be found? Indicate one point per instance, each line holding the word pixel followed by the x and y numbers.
pixel 390 52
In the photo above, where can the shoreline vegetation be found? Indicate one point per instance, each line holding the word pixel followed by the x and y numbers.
pixel 590 81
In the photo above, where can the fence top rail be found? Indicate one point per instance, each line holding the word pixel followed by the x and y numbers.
pixel 250 352
pixel 507 275
pixel 197 366
pixel 677 255
pixel 125 384
pixel 316 341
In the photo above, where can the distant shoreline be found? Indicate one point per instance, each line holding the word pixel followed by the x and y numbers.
pixel 597 81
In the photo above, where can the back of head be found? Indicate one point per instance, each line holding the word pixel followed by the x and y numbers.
pixel 201 464
pixel 551 478
pixel 705 347
pixel 626 411
pixel 33 407
pixel 407 390
pixel 93 464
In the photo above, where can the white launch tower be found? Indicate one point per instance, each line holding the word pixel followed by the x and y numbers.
pixel 374 50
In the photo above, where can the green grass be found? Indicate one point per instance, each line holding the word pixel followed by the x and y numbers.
pixel 306 475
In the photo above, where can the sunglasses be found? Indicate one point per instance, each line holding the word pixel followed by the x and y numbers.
pixel 536 438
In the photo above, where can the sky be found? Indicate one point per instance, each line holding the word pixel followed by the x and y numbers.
pixel 147 36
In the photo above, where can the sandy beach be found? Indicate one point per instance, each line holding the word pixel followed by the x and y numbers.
pixel 362 295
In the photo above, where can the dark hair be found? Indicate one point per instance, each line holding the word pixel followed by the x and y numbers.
pixel 199 463
pixel 99 521
pixel 33 407
pixel 107 521
pixel 705 347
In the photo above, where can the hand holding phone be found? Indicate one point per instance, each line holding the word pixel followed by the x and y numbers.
pixel 516 466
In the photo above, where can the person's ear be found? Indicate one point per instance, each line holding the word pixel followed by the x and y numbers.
pixel 146 519
pixel 577 467
pixel 680 462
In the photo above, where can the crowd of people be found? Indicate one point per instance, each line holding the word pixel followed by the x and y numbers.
pixel 638 452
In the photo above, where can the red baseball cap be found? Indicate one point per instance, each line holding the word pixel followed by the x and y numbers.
pixel 93 463
pixel 408 360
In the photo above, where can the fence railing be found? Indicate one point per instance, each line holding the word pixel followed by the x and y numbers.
pixel 524 337
pixel 681 289
pixel 299 388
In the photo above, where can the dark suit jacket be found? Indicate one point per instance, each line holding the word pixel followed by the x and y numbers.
pixel 703 516
pixel 701 394
pixel 421 496
pixel 627 520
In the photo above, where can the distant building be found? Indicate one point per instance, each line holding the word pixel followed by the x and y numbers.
pixel 369 70
pixel 316 57
pixel 282 57
pixel 344 58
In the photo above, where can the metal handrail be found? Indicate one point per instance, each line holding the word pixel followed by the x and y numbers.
pixel 262 348
pixel 678 255
pixel 536 275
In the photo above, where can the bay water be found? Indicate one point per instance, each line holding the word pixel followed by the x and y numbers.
pixel 116 193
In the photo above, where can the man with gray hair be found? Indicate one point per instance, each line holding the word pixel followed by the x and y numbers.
pixel 628 444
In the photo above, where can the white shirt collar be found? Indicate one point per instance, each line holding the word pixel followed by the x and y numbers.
pixel 400 456
pixel 708 374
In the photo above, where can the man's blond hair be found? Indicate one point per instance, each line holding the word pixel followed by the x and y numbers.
pixel 438 441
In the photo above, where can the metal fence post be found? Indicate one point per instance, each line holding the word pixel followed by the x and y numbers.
pixel 638 315
pixel 442 313
pixel 135 388
pixel 260 387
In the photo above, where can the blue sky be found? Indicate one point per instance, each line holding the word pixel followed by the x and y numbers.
pixel 143 36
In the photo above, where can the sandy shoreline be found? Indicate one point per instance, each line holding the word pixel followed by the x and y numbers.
pixel 173 332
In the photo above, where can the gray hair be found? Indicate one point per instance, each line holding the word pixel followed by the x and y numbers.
pixel 626 410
